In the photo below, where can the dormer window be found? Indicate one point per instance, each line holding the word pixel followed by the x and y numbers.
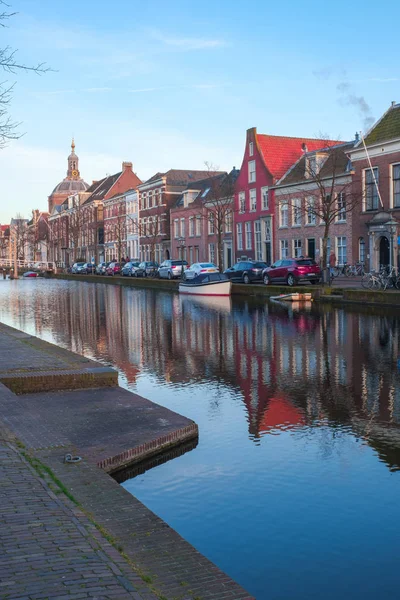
pixel 314 163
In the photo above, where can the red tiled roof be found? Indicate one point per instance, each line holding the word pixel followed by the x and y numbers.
pixel 281 152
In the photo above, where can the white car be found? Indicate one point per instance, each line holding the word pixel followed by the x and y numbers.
pixel 197 268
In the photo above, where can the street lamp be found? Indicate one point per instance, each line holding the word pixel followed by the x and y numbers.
pixel 181 242
pixel 392 228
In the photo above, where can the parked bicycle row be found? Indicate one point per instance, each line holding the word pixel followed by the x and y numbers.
pixel 386 278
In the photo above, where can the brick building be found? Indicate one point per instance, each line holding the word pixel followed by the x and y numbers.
pixel 156 198
pixel 201 224
pixel 266 159
pixel 376 230
pixel 316 190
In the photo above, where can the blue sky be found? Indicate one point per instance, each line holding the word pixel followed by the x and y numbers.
pixel 174 84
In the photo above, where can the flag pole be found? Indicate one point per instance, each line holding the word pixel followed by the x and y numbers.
pixel 372 170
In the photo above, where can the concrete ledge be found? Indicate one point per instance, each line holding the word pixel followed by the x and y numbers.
pixel 47 381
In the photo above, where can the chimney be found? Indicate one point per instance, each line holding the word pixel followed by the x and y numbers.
pixel 393 102
pixel 304 147
pixel 357 137
pixel 94 181
pixel 126 166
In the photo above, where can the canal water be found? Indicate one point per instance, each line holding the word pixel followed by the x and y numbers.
pixel 294 486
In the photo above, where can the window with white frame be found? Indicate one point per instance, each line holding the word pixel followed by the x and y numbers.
pixel 284 248
pixel 239 229
pixel 297 248
pixel 296 216
pixel 264 198
pixel 198 225
pixel 183 228
pixel 341 206
pixel 252 171
pixel 248 236
pixel 150 202
pixel 341 243
pixel 144 200
pixel 361 250
pixel 211 223
pixel 396 185
pixel 242 202
pixel 257 240
pixel 191 226
pixel 190 254
pixel 251 148
pixel 283 213
pixel 371 181
pixel 311 217
pixel 253 200
pixel 144 223
pixel 211 252
pixel 176 228
pixel 228 221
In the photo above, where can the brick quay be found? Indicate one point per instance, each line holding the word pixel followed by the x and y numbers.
pixel 69 530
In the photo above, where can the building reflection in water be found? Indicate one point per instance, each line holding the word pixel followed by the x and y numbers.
pixel 292 367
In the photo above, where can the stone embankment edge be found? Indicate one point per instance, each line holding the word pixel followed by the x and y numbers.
pixel 149 449
pixel 336 295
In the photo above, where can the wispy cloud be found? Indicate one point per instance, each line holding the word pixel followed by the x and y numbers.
pixel 143 90
pixel 97 89
pixel 188 43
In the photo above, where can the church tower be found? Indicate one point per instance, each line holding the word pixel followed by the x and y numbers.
pixel 72 183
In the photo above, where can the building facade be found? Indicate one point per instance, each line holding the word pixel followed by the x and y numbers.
pixel 201 224
pixel 266 159
pixel 314 201
pixel 376 181
pixel 157 196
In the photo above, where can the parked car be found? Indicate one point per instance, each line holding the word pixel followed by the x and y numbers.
pixel 147 268
pixel 114 268
pixel 292 271
pixel 77 268
pixel 171 269
pixel 87 268
pixel 101 268
pixel 39 266
pixel 129 269
pixel 197 268
pixel 246 271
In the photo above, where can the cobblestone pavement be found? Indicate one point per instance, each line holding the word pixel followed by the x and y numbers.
pixel 49 549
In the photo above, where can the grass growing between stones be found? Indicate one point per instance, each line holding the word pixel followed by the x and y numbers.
pixel 47 474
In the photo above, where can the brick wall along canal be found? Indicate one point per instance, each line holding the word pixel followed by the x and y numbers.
pixel 292 489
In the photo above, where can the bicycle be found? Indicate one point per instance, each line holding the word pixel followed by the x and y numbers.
pixel 343 269
pixel 356 269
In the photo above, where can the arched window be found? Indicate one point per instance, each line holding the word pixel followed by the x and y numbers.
pixel 361 250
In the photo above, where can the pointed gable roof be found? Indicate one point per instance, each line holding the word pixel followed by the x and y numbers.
pixel 281 152
pixel 100 188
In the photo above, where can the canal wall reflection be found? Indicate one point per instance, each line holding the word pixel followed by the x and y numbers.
pixel 293 367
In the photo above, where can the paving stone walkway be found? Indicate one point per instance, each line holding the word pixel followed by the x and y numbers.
pixel 49 548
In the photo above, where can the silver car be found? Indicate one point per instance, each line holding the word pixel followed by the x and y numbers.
pixel 172 269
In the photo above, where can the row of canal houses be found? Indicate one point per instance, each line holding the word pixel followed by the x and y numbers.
pixel 268 210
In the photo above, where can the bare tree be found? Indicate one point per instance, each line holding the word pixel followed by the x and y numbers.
pixel 4 244
pixel 326 193
pixel 75 226
pixel 219 204
pixel 119 235
pixel 10 64
pixel 19 231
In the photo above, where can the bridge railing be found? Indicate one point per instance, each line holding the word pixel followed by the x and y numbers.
pixel 25 264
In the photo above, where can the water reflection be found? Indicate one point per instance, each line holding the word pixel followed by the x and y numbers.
pixel 293 365
pixel 292 483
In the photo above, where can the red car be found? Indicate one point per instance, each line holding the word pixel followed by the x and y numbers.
pixel 114 268
pixel 292 271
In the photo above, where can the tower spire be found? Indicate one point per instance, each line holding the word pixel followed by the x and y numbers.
pixel 73 144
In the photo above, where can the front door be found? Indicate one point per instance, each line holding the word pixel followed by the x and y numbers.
pixel 384 252
pixel 311 248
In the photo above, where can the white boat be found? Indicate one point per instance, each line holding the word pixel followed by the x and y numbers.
pixel 207 284
pixel 295 297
